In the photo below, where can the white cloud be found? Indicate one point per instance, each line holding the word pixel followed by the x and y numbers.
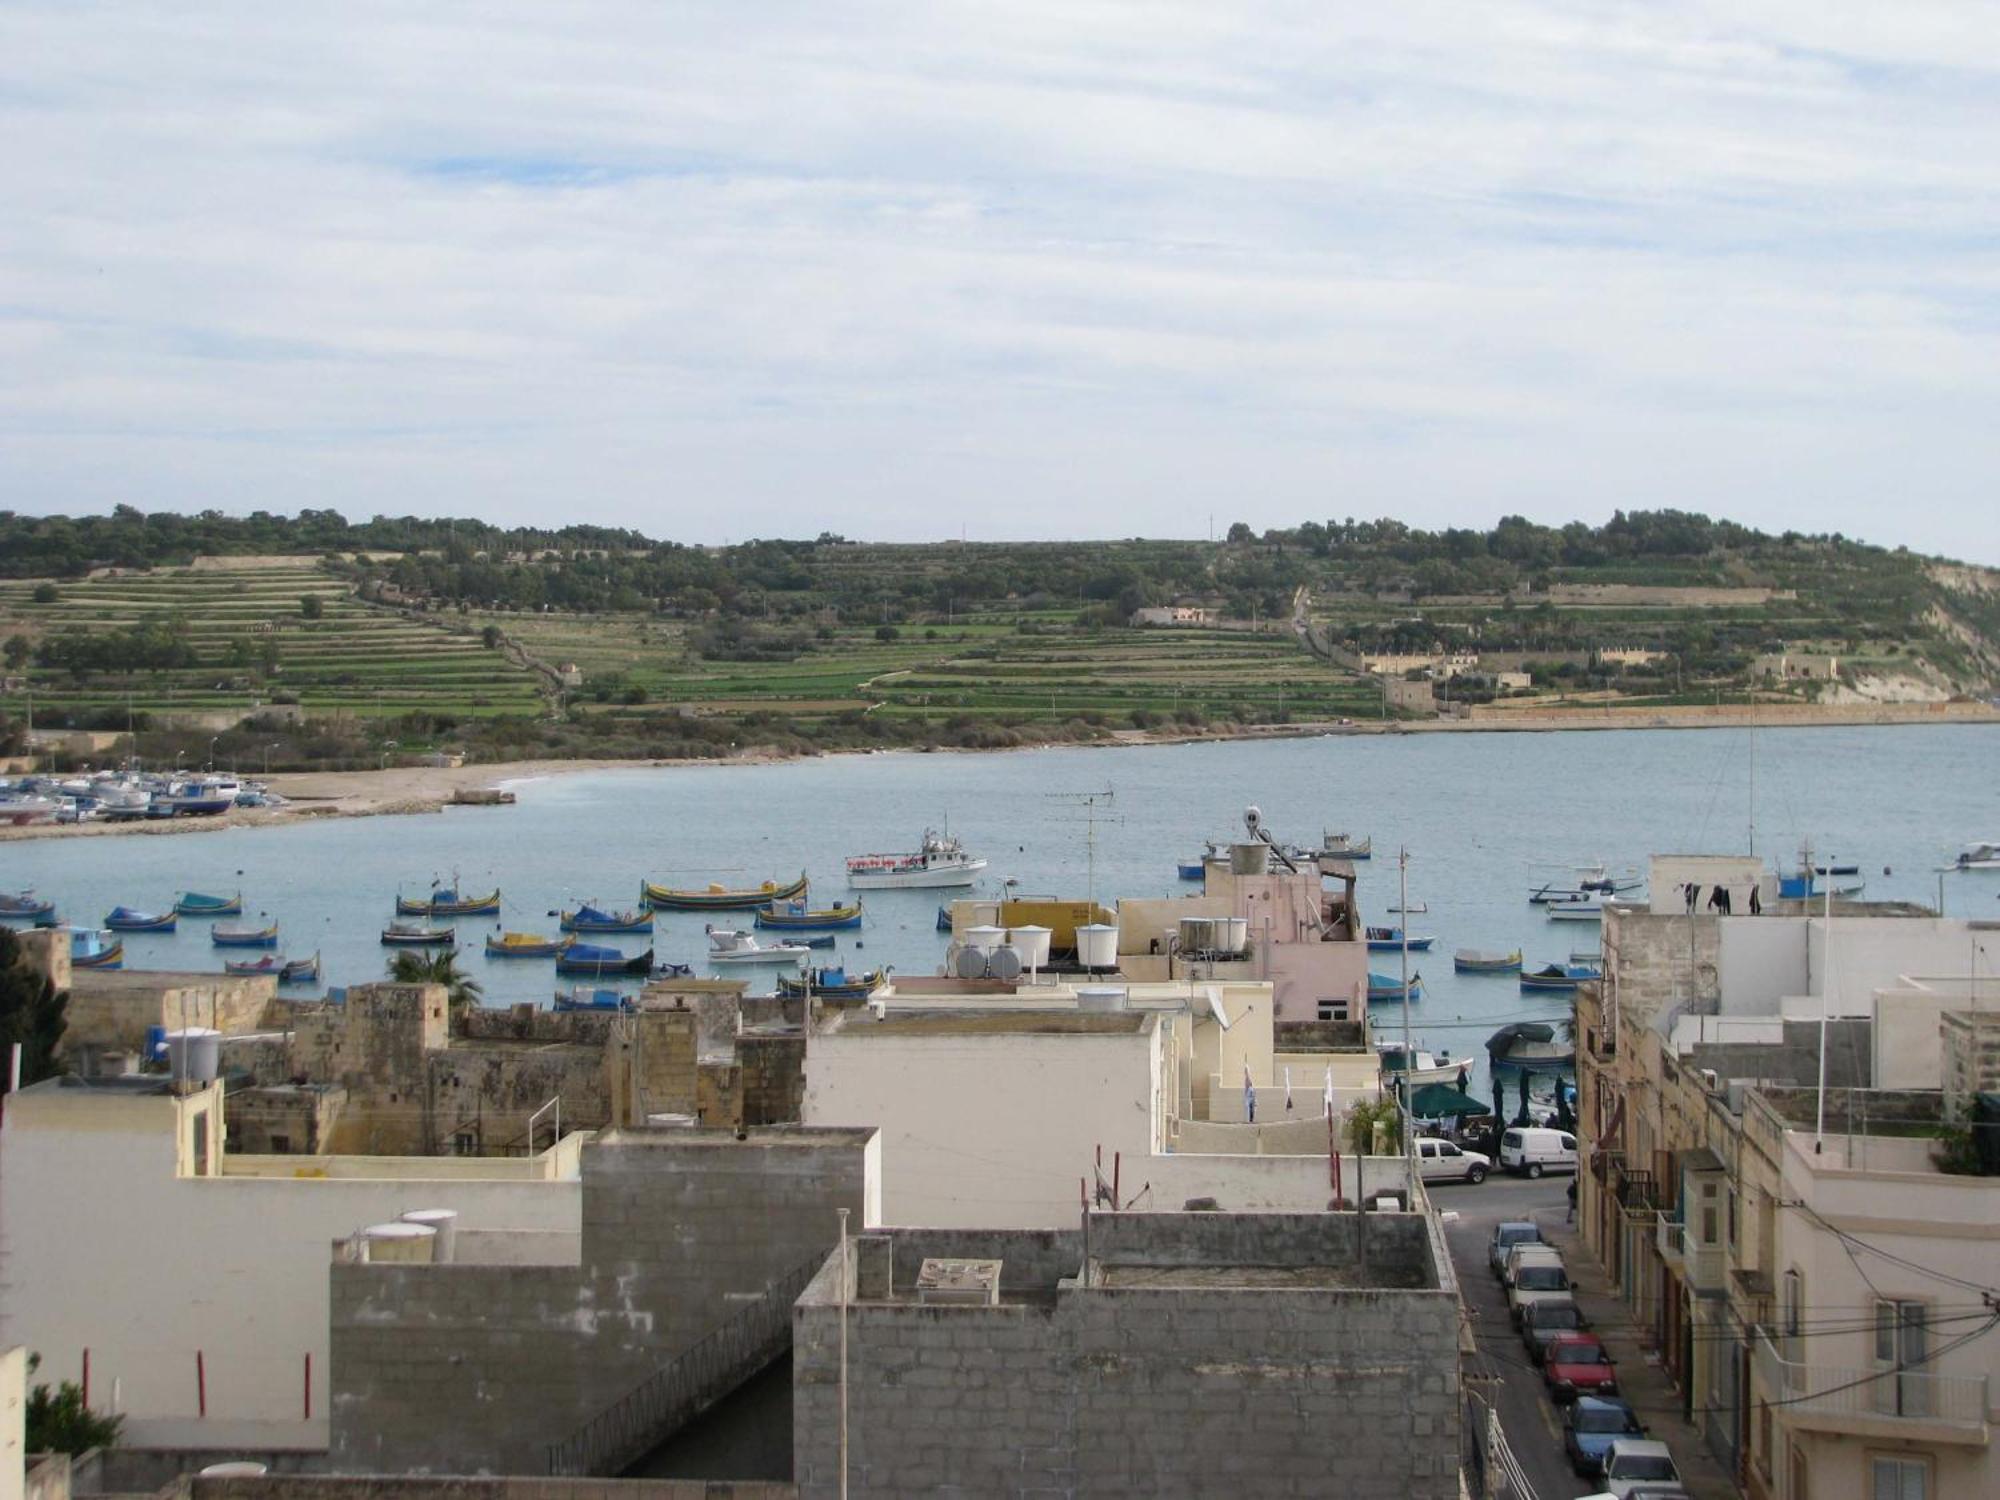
pixel 1080 269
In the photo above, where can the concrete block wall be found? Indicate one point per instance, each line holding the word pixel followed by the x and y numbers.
pixel 528 1487
pixel 1653 966
pixel 663 1064
pixel 1971 1043
pixel 298 1120
pixel 774 1078
pixel 718 1095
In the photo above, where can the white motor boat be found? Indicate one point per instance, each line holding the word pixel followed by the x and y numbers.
pixel 24 808
pixel 726 945
pixel 1427 1069
pixel 941 861
pixel 1983 856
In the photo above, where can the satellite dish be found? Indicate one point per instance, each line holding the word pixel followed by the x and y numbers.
pixel 1003 963
pixel 970 964
pixel 1252 818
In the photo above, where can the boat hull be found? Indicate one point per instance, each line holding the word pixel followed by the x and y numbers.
pixel 141 922
pixel 934 878
pixel 1381 988
pixel 193 904
pixel 266 938
pixel 25 909
pixel 1396 945
pixel 666 898
pixel 112 956
pixel 547 949
pixel 830 919
pixel 1511 964
pixel 443 939
pixel 603 968
pixel 576 921
pixel 472 906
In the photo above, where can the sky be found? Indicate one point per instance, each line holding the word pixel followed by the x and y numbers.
pixel 1056 270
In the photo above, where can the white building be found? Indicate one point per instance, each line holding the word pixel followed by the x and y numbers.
pixel 194 1281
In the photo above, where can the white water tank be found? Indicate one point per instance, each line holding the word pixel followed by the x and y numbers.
pixel 195 1054
pixel 1100 999
pixel 1097 945
pixel 1198 934
pixel 399 1244
pixel 445 1222
pixel 985 938
pixel 1032 943
pixel 1235 934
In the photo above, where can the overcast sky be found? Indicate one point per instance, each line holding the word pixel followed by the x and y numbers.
pixel 1029 269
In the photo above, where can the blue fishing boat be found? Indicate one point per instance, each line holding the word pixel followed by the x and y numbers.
pixel 1389 987
pixel 195 904
pixel 1486 961
pixel 525 945
pixel 300 971
pixel 833 984
pixel 1391 940
pixel 445 901
pixel 583 998
pixel 244 937
pixel 25 907
pixel 90 949
pixel 944 919
pixel 584 958
pixel 1561 978
pixel 125 919
pixel 587 918
pixel 1190 870
pixel 796 916
pixel 410 935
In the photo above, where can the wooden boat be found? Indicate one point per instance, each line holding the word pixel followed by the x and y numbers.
pixel 242 968
pixel 25 907
pixel 125 919
pixel 1426 1069
pixel 1389 987
pixel 525 945
pixel 1558 977
pixel 719 898
pixel 1486 961
pixel 444 901
pixel 244 937
pixel 300 971
pixel 584 998
pixel 89 950
pixel 195 904
pixel 584 958
pixel 727 946
pixel 796 916
pixel 410 935
pixel 1529 1046
pixel 1391 940
pixel 832 984
pixel 944 919
pixel 587 918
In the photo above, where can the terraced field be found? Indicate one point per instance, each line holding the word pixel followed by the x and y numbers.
pixel 251 641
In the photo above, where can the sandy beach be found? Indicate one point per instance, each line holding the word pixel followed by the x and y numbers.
pixel 429 789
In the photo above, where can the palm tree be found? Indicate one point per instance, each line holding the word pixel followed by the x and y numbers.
pixel 435 968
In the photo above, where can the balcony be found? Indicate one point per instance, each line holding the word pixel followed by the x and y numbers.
pixel 1871 1401
pixel 1699 1264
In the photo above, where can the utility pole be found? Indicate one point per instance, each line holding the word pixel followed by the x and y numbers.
pixel 1403 932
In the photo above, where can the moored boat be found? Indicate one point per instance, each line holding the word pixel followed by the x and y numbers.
pixel 1420 1067
pixel 414 935
pixel 24 906
pixel 796 916
pixel 91 949
pixel 832 984
pixel 582 997
pixel 1342 846
pixel 1191 869
pixel 1529 1046
pixel 1594 880
pixel 193 903
pixel 525 945
pixel 1980 856
pixel 1584 909
pixel 244 937
pixel 125 919
pixel 719 897
pixel 242 968
pixel 1389 987
pixel 1391 940
pixel 300 971
pixel 1486 961
pixel 939 861
pixel 445 901
pixel 586 958
pixel 587 918
pixel 1560 977
pixel 729 946
pixel 24 809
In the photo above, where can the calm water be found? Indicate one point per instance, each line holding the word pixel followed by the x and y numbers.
pixel 1483 816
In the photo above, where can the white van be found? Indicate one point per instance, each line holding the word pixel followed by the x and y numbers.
pixel 1532 1150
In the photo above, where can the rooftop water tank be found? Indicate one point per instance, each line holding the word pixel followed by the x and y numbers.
pixel 445 1222
pixel 1249 859
pixel 1032 943
pixel 1003 964
pixel 399 1244
pixel 195 1054
pixel 1234 934
pixel 1198 934
pixel 969 962
pixel 1100 999
pixel 1097 945
pixel 985 937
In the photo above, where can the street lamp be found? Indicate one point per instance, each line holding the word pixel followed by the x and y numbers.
pixel 211 752
pixel 387 746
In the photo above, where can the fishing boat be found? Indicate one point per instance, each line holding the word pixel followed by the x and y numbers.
pixel 413 935
pixel 585 958
pixel 719 897
pixel 1529 1046
pixel 1595 881
pixel 939 861
pixel 125 919
pixel 525 945
pixel 1426 1069
pixel 1486 961
pixel 585 998
pixel 796 916
pixel 244 937
pixel 1343 846
pixel 1192 870
pixel 587 918
pixel 832 984
pixel 299 971
pixel 91 949
pixel 25 808
pixel 1391 940
pixel 195 904
pixel 1584 909
pixel 1560 977
pixel 196 797
pixel 25 907
pixel 1980 856
pixel 818 939
pixel 944 919
pixel 729 946
pixel 1389 987
pixel 244 968
pixel 445 901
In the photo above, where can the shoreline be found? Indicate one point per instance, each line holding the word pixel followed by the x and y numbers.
pixel 410 790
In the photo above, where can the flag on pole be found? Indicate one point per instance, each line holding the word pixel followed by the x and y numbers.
pixel 1288 1090
pixel 1249 1096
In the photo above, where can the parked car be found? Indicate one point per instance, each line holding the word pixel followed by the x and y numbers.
pixel 1591 1424
pixel 1441 1161
pixel 1576 1365
pixel 1532 1150
pixel 1631 1465
pixel 1535 1273
pixel 1544 1322
pixel 1506 1235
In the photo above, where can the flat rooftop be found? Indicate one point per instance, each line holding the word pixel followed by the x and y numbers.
pixel 993 1023
pixel 766 1137
pixel 1127 1278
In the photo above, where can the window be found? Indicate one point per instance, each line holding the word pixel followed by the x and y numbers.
pixel 1791 1298
pixel 1902 1344
pixel 1898 1478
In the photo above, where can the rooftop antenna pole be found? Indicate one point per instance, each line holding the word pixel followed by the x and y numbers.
pixel 1409 1129
pixel 1825 1000
pixel 1753 788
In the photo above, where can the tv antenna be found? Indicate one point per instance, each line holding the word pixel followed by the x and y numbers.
pixel 1090 805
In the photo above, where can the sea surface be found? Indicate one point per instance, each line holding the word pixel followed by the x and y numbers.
pixel 1484 817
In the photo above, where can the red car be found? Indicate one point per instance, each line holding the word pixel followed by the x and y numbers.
pixel 1576 1365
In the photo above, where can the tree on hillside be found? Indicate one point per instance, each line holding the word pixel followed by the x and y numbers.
pixel 31 1012
pixel 436 968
